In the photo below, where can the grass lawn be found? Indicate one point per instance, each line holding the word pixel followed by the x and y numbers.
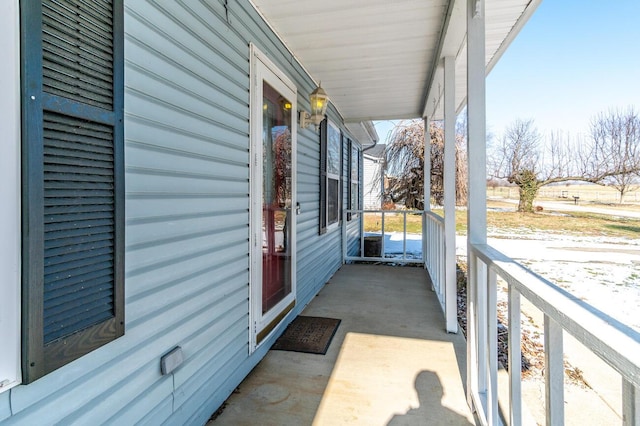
pixel 393 222
pixel 574 223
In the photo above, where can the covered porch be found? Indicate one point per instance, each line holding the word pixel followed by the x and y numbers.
pixel 424 60
pixel 390 362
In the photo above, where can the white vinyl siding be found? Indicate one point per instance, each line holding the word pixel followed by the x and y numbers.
pixel 372 190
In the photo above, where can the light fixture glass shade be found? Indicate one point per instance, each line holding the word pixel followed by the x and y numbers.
pixel 319 101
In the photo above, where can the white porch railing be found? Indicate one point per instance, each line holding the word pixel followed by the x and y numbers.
pixel 434 254
pixel 389 247
pixel 562 312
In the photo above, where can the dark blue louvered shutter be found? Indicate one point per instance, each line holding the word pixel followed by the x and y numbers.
pixel 73 180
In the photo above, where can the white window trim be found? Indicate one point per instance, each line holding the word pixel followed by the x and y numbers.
pixel 10 373
pixel 356 149
pixel 336 224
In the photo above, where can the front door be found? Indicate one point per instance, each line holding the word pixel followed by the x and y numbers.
pixel 273 152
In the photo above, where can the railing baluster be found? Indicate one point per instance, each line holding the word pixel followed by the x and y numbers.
pixel 554 371
pixel 492 348
pixel 382 242
pixel 472 335
pixel 423 240
pixel 362 234
pixel 424 237
pixel 344 240
pixel 441 262
pixel 434 259
pixel 439 265
pixel 481 306
pixel 515 359
pixel 430 254
pixel 443 253
pixel 404 236
pixel 630 404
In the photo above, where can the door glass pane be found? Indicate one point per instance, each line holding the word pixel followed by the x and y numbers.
pixel 276 198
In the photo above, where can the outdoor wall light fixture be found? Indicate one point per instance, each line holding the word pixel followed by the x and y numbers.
pixel 319 101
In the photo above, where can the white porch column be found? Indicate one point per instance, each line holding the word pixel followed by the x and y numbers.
pixel 449 189
pixel 426 170
pixel 477 186
pixel 477 134
pixel 427 165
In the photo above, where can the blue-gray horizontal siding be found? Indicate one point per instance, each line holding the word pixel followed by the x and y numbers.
pixel 187 230
pixel 319 256
pixel 5 405
pixel 188 196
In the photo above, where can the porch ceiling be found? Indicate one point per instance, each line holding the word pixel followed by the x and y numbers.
pixel 380 59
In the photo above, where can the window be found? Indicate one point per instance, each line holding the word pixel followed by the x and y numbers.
pixel 354 178
pixel 73 181
pixel 330 169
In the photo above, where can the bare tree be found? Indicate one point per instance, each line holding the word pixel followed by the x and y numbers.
pixel 617 134
pixel 517 159
pixel 612 154
pixel 462 169
pixel 405 164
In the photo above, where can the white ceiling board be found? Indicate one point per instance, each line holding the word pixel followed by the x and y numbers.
pixel 375 57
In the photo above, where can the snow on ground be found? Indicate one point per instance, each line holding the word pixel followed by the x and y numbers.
pixel 604 272
pixel 393 244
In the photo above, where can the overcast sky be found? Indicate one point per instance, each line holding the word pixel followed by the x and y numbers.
pixel 572 60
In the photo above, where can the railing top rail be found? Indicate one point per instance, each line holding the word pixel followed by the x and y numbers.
pixel 613 342
pixel 434 217
pixel 383 259
pixel 419 212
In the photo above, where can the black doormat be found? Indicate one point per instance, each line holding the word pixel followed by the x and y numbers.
pixel 308 334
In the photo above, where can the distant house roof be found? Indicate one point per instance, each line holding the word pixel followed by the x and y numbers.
pixel 364 132
pixel 377 151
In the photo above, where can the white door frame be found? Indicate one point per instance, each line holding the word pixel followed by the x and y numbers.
pixel 10 202
pixel 262 69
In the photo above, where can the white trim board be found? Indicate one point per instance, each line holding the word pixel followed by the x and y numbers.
pixel 10 374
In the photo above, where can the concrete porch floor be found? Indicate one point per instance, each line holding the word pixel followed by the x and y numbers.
pixel 391 361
